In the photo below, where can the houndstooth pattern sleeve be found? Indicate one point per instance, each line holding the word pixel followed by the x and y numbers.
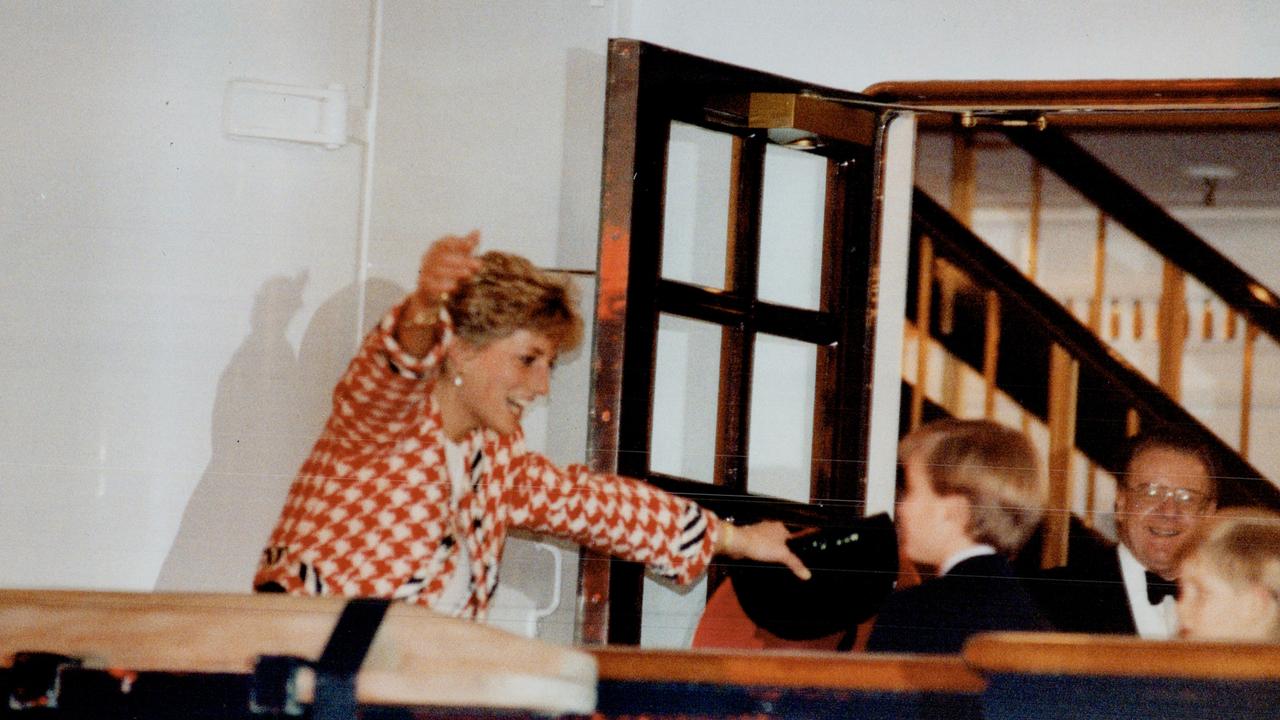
pixel 371 395
pixel 627 518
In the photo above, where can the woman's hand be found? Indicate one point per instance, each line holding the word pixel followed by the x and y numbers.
pixel 448 262
pixel 766 542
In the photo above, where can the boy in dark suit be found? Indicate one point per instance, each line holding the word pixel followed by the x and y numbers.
pixel 973 494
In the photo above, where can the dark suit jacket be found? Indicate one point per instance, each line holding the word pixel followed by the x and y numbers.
pixel 1087 594
pixel 978 595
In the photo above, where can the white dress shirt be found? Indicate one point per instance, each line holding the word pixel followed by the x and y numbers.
pixel 972 551
pixel 1154 622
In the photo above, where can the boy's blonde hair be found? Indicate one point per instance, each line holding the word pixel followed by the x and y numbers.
pixel 996 469
pixel 1242 546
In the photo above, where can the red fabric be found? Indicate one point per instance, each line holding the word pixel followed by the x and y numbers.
pixel 724 624
pixel 370 512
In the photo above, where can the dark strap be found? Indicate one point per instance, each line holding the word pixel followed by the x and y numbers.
pixel 336 670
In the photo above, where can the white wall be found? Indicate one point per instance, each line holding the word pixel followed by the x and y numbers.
pixel 158 276
pixel 176 304
pixel 855 43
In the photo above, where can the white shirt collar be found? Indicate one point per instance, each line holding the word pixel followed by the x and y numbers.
pixel 972 551
pixel 1154 622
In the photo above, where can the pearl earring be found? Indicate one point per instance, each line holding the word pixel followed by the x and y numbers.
pixel 457 380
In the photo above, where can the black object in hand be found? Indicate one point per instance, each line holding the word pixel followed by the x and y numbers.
pixel 854 567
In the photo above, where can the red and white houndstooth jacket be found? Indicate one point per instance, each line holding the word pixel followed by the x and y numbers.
pixel 370 511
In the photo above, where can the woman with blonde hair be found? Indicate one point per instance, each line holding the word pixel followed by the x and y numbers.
pixel 421 469
pixel 1229 584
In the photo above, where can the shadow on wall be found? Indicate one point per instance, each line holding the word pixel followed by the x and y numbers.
pixel 270 407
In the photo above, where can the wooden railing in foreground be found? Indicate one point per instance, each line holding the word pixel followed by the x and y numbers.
pixel 1108 389
pixel 193 656
pixel 1040 676
pixel 1000 676
pixel 721 684
pixel 417 659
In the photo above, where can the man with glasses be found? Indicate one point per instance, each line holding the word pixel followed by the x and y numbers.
pixel 1167 489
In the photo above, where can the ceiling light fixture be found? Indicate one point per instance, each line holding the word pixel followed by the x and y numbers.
pixel 1210 175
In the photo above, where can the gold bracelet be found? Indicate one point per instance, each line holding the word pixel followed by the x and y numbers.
pixel 726 536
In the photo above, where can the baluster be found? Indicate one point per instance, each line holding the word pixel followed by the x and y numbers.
pixel 1246 387
pixel 1095 324
pixel 1064 374
pixel 962 177
pixel 1090 493
pixel 1099 277
pixel 1171 329
pixel 924 297
pixel 990 352
pixel 1033 235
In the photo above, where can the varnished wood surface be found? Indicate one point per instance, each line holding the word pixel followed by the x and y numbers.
pixel 1060 654
pixel 819 670
pixel 417 658
pixel 1203 103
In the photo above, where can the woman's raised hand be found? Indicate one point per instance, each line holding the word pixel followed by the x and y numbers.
pixel 448 261
pixel 765 541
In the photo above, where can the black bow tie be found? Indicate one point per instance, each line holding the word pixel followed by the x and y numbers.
pixel 1158 588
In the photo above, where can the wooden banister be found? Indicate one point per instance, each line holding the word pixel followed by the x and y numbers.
pixel 417 658
pixel 954 243
pixel 831 671
pixel 1217 103
pixel 1109 655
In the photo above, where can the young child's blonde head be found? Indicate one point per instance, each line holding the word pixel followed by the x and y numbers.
pixel 1230 579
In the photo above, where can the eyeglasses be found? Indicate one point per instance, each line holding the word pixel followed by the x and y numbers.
pixel 1149 495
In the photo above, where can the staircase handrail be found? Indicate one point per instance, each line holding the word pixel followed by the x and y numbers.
pixel 960 246
pixel 1152 224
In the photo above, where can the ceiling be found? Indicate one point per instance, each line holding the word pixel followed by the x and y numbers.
pixel 1162 163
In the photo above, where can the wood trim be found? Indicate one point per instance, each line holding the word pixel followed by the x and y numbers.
pixel 1033 225
pixel 1171 329
pixel 1206 103
pixel 1064 379
pixel 612 290
pixel 737 342
pixel 1061 654
pixel 923 320
pixel 1246 386
pixel 1099 278
pixel 853 191
pixel 827 408
pixel 417 657
pixel 811 114
pixel 892 673
pixel 1090 494
pixel 1235 92
pixel 963 177
pixel 990 353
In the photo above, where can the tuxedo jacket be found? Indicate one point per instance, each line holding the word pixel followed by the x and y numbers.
pixel 978 595
pixel 1086 595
